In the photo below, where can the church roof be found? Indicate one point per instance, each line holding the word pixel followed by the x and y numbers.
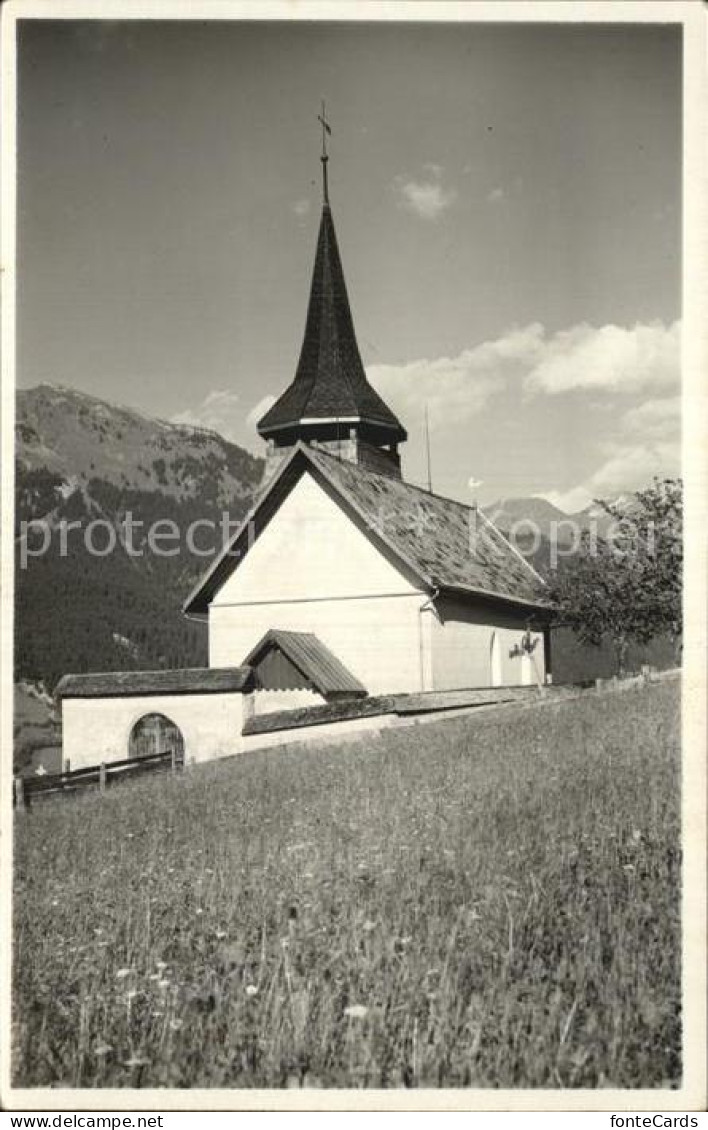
pixel 442 544
pixel 330 382
pixel 312 658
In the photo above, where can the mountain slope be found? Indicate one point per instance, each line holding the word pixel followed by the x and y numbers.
pixel 82 460
pixel 79 438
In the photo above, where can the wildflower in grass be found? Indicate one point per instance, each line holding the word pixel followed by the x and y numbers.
pixel 161 965
pixel 221 934
pixel 131 993
pixel 102 1049
pixel 199 910
pixel 356 1011
pixel 401 944
pixel 123 973
pixel 136 1061
pixel 251 990
pixel 368 926
pixel 164 983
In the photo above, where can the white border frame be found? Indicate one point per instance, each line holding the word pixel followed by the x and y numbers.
pixel 691 15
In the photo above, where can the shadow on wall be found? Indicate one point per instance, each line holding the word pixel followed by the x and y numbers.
pixel 575 662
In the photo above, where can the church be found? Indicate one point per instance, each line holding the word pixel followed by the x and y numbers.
pixel 345 589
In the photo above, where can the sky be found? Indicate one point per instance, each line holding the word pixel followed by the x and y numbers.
pixel 507 205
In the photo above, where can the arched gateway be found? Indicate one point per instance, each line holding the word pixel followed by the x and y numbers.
pixel 155 733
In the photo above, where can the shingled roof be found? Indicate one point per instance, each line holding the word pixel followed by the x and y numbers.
pixel 330 382
pixel 189 680
pixel 442 543
pixel 312 658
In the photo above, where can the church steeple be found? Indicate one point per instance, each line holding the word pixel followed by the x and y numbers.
pixel 330 401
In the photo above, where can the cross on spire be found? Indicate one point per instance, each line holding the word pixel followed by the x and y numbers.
pixel 326 129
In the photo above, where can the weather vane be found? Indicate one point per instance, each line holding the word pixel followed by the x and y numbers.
pixel 322 118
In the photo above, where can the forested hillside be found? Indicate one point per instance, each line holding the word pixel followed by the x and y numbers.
pixel 81 460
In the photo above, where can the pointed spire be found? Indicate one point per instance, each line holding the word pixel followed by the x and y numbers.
pixel 330 396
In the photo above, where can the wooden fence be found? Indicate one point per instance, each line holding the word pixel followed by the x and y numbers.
pixel 29 789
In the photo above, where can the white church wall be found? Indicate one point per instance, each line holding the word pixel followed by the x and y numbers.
pixel 311 548
pixel 268 701
pixel 313 570
pixel 377 639
pixel 461 646
pixel 98 729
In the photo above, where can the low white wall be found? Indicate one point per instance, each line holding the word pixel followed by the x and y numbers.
pixel 327 732
pixel 97 729
pixel 267 701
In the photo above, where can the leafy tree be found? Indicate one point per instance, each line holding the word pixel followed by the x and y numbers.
pixel 627 585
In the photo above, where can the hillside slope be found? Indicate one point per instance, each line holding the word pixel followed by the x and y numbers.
pixel 490 901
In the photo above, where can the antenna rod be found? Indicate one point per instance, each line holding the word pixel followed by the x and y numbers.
pixel 427 448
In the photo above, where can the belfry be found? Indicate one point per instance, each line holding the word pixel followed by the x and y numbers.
pixel 330 403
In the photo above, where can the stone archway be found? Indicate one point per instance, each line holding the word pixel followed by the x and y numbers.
pixel 156 733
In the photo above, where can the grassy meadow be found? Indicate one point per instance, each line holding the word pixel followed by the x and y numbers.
pixel 487 901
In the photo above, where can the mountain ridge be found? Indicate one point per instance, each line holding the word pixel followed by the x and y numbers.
pixel 74 434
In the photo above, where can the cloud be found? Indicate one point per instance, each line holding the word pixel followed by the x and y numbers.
pixel 259 410
pixel 570 501
pixel 220 411
pixel 455 388
pixel 635 466
pixel 660 418
pixel 630 466
pixel 426 196
pixel 611 357
pixel 301 207
pixel 647 443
